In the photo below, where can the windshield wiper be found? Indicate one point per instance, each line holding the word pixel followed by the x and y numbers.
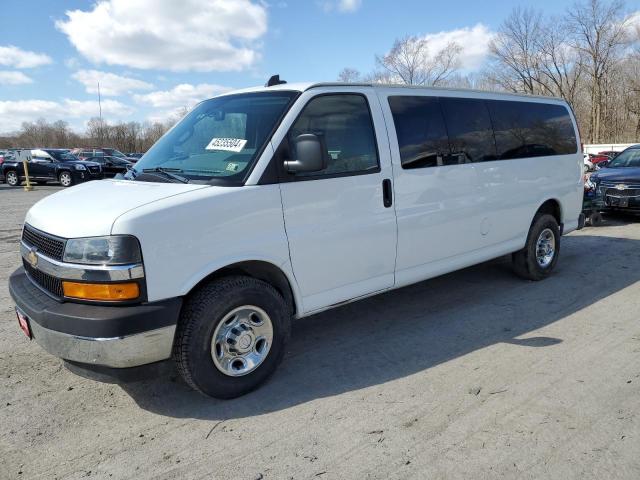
pixel 167 172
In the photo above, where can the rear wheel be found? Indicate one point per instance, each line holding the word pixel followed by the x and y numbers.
pixel 231 336
pixel 540 254
pixel 12 178
pixel 65 178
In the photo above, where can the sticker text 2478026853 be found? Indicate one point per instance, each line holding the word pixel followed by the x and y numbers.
pixel 226 144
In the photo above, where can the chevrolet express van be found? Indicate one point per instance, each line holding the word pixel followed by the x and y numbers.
pixel 273 203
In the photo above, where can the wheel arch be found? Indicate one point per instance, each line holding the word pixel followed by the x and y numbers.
pixel 551 206
pixel 262 270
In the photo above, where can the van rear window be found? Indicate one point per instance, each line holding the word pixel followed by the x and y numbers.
pixel 527 129
pixel 439 131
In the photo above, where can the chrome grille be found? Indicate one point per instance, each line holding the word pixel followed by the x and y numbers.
pixel 48 245
pixel 627 192
pixel 51 284
pixel 94 169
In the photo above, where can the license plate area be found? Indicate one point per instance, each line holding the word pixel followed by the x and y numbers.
pixel 23 322
pixel 618 201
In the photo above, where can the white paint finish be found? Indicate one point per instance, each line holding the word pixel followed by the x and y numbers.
pixel 459 215
pixel 186 238
pixel 89 209
pixel 342 240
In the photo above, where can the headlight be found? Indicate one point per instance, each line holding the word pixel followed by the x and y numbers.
pixel 111 250
pixel 79 167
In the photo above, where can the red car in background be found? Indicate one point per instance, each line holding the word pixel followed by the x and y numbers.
pixel 598 158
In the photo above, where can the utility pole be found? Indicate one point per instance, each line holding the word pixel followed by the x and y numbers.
pixel 99 103
pixel 100 110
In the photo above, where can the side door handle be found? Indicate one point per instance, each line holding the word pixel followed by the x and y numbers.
pixel 387 193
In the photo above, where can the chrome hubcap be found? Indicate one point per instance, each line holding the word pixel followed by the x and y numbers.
pixel 12 178
pixel 545 248
pixel 65 179
pixel 242 341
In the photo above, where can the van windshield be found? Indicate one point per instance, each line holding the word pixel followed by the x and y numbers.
pixel 218 140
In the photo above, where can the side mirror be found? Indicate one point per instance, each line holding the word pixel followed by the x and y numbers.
pixel 311 153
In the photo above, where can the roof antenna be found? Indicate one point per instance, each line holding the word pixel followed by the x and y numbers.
pixel 274 80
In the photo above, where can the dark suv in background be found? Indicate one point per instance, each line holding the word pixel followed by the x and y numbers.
pixel 51 164
pixel 111 166
pixel 92 152
pixel 619 181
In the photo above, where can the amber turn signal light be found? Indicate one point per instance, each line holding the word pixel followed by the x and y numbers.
pixel 101 291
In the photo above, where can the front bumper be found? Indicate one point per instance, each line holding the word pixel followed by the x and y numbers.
pixel 109 336
pixel 86 175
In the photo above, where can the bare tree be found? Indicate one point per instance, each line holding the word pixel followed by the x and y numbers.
pixel 516 52
pixel 349 75
pixel 410 61
pixel 600 31
pixel 560 66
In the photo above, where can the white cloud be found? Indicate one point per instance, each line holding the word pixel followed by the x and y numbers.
pixel 344 6
pixel 183 95
pixel 349 5
pixel 474 42
pixel 13 113
pixel 110 83
pixel 13 78
pixel 202 35
pixel 12 56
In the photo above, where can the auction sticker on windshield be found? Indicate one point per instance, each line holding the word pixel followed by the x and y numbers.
pixel 226 144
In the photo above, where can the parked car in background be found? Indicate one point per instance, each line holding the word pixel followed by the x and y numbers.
pixel 84 153
pixel 596 159
pixel 111 166
pixel 588 164
pixel 619 181
pixel 51 164
pixel 135 155
pixel 609 153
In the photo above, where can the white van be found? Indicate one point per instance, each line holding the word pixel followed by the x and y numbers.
pixel 273 203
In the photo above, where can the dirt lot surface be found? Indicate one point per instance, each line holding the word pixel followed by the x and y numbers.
pixel 476 374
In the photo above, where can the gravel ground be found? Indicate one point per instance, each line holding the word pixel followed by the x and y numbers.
pixel 475 374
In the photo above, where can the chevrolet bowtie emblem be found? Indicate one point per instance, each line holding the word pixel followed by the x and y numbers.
pixel 621 186
pixel 32 257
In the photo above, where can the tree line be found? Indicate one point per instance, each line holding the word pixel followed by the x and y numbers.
pixel 589 56
pixel 124 136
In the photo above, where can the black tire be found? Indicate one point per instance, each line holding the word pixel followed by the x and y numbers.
pixel 65 178
pixel 595 219
pixel 12 178
pixel 203 311
pixel 525 262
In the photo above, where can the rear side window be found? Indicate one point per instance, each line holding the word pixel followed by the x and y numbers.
pixel 470 131
pixel 527 129
pixel 420 129
pixel 344 122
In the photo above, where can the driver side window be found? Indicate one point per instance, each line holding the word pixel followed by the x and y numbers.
pixel 343 122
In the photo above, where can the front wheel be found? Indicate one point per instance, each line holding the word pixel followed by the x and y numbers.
pixel 540 254
pixel 12 178
pixel 65 178
pixel 231 336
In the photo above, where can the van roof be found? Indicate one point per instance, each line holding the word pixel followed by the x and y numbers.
pixel 304 86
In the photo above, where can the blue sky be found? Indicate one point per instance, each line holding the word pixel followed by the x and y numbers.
pixel 154 56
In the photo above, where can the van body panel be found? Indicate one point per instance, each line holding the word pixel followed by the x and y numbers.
pixel 89 209
pixel 234 224
pixel 342 239
pixel 458 215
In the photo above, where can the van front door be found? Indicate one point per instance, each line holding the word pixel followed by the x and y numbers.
pixel 340 221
